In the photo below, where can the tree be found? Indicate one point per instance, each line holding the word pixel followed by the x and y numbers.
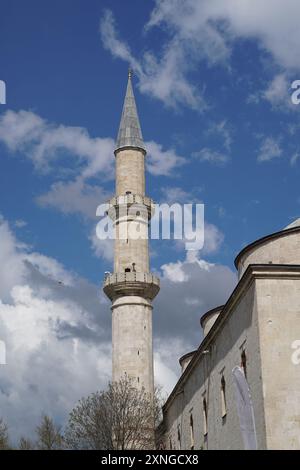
pixel 4 445
pixel 49 435
pixel 26 444
pixel 123 417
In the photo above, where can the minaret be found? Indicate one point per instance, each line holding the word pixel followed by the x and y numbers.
pixel 131 287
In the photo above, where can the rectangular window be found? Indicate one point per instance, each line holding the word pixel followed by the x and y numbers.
pixel 192 432
pixel 223 397
pixel 244 362
pixel 179 437
pixel 205 430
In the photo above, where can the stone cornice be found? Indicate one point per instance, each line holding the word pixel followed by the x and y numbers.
pixel 130 147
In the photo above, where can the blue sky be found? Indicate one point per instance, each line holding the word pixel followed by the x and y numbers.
pixel 54 64
pixel 212 86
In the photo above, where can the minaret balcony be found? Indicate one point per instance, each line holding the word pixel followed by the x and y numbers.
pixel 132 283
pixel 133 204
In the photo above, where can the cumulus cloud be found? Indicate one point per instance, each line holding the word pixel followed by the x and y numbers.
pixel 12 269
pixel 188 289
pixel 77 156
pixel 44 142
pixel 70 153
pixel 50 365
pixel 56 327
pixel 56 348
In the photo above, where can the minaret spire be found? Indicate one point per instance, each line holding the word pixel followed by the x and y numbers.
pixel 130 134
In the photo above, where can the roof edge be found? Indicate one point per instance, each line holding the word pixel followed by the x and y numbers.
pixel 261 241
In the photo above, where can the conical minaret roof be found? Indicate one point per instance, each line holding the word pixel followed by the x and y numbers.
pixel 130 134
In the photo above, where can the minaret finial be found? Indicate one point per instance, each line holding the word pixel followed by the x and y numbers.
pixel 130 72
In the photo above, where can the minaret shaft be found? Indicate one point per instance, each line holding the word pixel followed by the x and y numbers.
pixel 130 172
pixel 131 287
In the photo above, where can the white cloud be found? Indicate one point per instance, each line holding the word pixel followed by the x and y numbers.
pixel 205 30
pixel 269 149
pixel 162 162
pixel 20 223
pixel 273 23
pixel 57 330
pixel 294 159
pixel 166 365
pixel 74 197
pixel 164 77
pixel 174 272
pixel 211 156
pixel 50 268
pixel 279 92
pixel 213 239
pixel 193 237
pixel 102 248
pixel 67 151
pixel 44 142
pixel 12 270
pixel 56 350
pixel 188 289
pixel 172 195
pixel 111 41
pixel 224 131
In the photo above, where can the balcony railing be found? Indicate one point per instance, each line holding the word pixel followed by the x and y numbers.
pixel 132 283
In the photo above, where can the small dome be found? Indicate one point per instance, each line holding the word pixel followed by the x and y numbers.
pixel 281 247
pixel 185 360
pixel 208 319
